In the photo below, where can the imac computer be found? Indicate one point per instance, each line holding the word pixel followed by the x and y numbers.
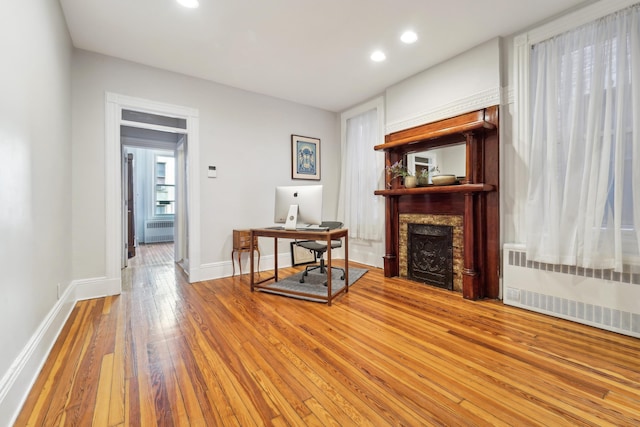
pixel 298 206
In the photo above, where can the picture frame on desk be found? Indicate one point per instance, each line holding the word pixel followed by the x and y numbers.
pixel 301 256
pixel 305 157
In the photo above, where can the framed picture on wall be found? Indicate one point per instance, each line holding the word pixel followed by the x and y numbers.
pixel 300 255
pixel 305 157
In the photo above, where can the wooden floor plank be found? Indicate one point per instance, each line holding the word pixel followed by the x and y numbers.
pixel 101 413
pixel 390 352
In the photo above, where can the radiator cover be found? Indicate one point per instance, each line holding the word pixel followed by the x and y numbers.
pixel 156 231
pixel 599 298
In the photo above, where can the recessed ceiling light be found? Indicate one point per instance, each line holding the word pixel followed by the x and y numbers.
pixel 191 4
pixel 409 37
pixel 378 56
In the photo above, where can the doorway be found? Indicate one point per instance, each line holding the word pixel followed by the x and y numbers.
pixel 151 190
pixel 115 119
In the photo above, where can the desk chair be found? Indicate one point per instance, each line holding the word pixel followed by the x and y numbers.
pixel 319 248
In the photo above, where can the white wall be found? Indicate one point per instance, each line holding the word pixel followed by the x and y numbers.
pixel 35 190
pixel 245 135
pixel 467 82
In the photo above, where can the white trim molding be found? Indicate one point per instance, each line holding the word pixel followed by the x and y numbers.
pixel 477 101
pixel 18 380
pixel 97 287
pixel 114 104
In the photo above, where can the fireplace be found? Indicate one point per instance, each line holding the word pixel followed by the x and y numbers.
pixel 430 254
pixel 474 200
pixel 429 229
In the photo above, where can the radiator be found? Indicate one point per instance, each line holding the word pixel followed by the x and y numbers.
pixel 600 298
pixel 156 231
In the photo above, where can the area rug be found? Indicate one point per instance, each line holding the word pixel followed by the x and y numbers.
pixel 313 284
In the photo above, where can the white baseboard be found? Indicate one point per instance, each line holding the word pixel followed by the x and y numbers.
pixel 97 287
pixel 217 270
pixel 17 382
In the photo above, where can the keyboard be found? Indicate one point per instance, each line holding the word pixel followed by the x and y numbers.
pixel 305 228
pixel 312 228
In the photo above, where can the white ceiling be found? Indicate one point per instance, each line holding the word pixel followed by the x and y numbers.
pixel 314 52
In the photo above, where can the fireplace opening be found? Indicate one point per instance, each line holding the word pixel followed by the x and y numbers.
pixel 430 254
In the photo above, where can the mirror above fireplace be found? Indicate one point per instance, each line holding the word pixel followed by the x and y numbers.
pixel 449 160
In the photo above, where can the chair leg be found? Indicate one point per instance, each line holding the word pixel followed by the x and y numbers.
pixel 311 268
pixel 336 268
pixel 323 270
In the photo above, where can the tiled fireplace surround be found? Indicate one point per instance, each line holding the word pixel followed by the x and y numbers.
pixel 455 221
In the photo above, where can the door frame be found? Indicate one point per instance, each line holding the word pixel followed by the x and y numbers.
pixel 114 104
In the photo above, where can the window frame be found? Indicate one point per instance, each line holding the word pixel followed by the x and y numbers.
pixel 155 184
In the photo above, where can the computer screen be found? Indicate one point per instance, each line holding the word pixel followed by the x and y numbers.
pixel 308 198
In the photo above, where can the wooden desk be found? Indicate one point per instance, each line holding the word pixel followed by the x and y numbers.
pixel 241 244
pixel 328 236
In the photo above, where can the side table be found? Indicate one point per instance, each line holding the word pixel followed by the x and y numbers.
pixel 242 243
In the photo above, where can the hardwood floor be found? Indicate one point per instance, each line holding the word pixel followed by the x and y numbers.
pixel 390 352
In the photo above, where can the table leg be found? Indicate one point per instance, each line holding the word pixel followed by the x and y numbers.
pixel 346 262
pixel 251 248
pixel 329 272
pixel 233 264
pixel 275 258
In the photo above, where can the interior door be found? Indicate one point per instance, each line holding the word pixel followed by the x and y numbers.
pixel 131 225
pixel 181 222
pixel 124 188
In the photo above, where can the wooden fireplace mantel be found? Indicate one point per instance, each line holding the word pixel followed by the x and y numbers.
pixel 437 189
pixel 476 198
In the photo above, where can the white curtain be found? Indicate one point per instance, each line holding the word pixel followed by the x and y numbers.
pixel 583 204
pixel 361 171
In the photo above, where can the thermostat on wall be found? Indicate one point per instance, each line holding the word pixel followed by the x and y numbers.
pixel 212 172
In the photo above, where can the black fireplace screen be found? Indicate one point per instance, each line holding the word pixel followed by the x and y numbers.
pixel 430 254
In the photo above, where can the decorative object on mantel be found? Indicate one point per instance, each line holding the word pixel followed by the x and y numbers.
pixel 444 179
pixel 410 181
pixel 423 176
pixel 398 169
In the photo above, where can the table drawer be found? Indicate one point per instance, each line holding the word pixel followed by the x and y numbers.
pixel 242 239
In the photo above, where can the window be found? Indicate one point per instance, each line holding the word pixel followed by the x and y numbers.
pixel 362 172
pixel 583 199
pixel 164 199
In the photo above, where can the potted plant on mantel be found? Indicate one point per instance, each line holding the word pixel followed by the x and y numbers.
pixel 423 176
pixel 398 169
